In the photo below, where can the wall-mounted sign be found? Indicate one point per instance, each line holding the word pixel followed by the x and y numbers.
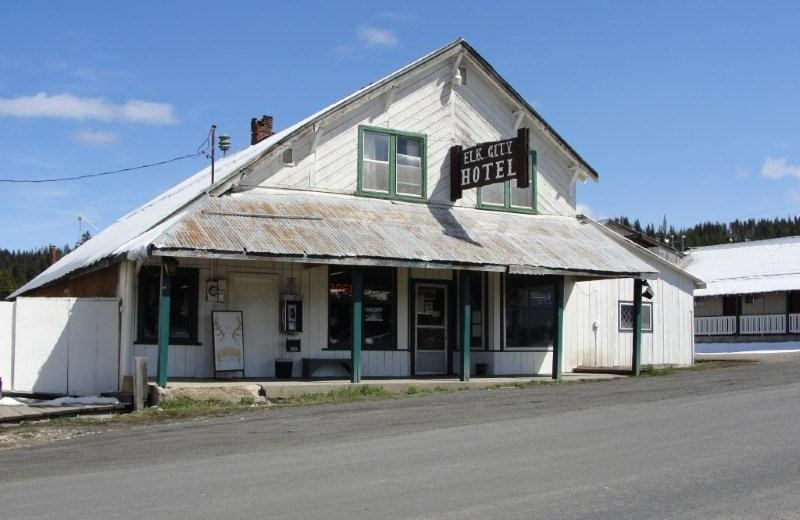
pixel 489 163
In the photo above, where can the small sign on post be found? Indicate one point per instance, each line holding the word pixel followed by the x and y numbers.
pixel 489 163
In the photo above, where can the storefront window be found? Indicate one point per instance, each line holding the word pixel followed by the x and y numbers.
pixel 530 311
pixel 378 308
pixel 183 306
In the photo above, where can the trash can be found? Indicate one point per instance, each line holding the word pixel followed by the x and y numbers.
pixel 283 368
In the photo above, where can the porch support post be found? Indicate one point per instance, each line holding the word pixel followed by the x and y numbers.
pixel 636 356
pixel 786 309
pixel 466 331
pixel 163 326
pixel 558 344
pixel 358 324
pixel 738 314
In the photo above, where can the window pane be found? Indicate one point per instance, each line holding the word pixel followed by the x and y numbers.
pixel 494 194
pixel 530 311
pixel 647 317
pixel 149 280
pixel 476 308
pixel 183 307
pixel 378 308
pixel 375 170
pixel 340 308
pixel 626 316
pixel 409 166
pixel 521 197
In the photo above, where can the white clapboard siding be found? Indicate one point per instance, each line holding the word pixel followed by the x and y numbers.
pixel 428 104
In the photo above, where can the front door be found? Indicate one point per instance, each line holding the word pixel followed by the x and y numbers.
pixel 430 328
pixel 256 295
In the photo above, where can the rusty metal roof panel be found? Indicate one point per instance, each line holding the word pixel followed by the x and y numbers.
pixel 284 223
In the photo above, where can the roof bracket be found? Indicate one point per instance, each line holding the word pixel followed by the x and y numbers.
pixel 520 116
pixel 318 131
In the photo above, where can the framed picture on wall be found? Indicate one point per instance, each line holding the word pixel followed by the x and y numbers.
pixel 228 327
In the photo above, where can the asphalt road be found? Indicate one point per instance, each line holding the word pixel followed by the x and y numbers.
pixel 701 444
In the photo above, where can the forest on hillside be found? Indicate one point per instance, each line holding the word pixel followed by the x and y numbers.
pixel 17 267
pixel 713 233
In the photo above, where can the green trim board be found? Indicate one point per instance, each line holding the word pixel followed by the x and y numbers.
pixel 507 206
pixel 393 135
pixel 163 327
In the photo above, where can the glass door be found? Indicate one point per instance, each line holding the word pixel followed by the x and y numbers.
pixel 430 328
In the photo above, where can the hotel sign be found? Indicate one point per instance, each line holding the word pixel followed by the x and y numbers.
pixel 489 163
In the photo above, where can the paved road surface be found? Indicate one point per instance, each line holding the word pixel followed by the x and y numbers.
pixel 705 444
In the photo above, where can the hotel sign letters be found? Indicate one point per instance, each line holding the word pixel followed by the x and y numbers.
pixel 489 163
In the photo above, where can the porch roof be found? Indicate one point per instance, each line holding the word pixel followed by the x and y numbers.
pixel 331 228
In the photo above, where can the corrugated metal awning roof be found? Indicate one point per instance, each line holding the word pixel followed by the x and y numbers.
pixel 340 228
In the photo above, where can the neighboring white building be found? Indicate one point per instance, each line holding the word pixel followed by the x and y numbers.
pixel 753 289
pixel 348 217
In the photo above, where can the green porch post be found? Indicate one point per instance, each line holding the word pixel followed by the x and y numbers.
pixel 358 324
pixel 558 344
pixel 163 326
pixel 466 319
pixel 636 356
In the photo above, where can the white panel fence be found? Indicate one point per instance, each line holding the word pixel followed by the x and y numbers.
pixel 750 324
pixel 715 325
pixel 763 324
pixel 794 323
pixel 60 345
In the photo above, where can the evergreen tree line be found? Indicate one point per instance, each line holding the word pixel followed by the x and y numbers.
pixel 713 233
pixel 18 267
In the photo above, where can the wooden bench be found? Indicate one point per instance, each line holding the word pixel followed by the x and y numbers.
pixel 310 365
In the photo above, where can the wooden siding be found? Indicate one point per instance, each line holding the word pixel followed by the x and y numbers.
pixel 425 103
pixel 590 302
pixel 101 283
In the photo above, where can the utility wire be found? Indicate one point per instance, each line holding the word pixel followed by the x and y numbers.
pixel 101 174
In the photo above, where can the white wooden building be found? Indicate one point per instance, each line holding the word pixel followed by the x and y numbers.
pixel 753 290
pixel 349 212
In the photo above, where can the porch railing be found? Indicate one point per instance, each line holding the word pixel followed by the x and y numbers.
pixel 715 325
pixel 794 323
pixel 763 324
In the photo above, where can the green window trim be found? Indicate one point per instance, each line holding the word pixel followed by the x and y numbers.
pixel 507 206
pixel 393 135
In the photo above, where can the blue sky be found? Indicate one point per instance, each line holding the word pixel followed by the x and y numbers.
pixel 686 109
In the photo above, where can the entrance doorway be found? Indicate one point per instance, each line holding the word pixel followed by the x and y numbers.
pixel 430 328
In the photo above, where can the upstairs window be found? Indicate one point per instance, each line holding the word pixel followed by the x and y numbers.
pixel 391 163
pixel 506 196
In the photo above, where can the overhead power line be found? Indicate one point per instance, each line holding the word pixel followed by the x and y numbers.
pixel 101 174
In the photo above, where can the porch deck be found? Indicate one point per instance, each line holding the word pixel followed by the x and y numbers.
pixel 277 388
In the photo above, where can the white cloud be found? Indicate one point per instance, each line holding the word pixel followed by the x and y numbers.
pixel 68 106
pixel 376 36
pixel 95 137
pixel 779 168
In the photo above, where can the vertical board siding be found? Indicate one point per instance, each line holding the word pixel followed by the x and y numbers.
pixel 590 302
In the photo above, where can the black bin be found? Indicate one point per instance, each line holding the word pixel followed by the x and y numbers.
pixel 283 368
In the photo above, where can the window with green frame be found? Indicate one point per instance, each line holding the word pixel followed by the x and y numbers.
pixel 507 197
pixel 391 163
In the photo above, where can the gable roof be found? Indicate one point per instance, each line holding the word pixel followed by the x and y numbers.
pixel 747 267
pixel 131 235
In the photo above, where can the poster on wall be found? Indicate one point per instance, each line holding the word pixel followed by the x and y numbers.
pixel 228 340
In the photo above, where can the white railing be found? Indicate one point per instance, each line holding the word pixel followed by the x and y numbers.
pixel 715 325
pixel 763 324
pixel 794 323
